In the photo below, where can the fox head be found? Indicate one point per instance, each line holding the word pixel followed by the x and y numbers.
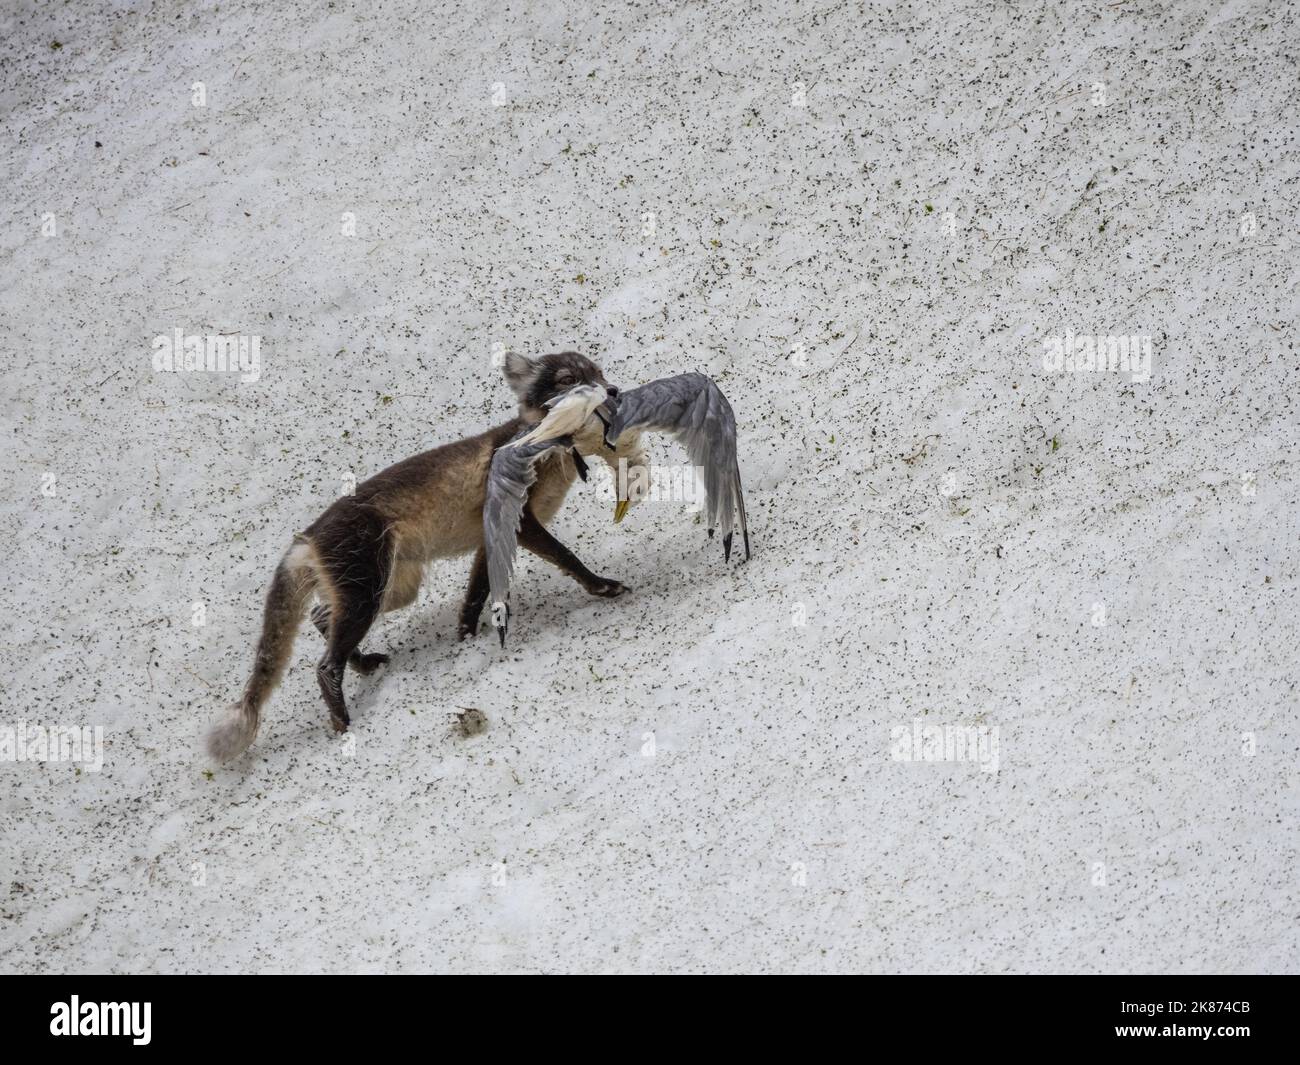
pixel 535 382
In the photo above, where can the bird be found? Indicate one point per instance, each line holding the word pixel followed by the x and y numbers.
pixel 690 407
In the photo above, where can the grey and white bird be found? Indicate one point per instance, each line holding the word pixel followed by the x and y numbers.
pixel 689 407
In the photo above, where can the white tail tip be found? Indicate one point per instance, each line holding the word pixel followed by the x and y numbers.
pixel 232 735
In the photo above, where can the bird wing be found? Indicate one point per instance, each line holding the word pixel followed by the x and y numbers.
pixel 510 475
pixel 692 408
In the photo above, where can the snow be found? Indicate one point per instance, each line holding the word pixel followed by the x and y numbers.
pixel 682 779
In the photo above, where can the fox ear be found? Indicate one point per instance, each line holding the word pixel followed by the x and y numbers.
pixel 520 372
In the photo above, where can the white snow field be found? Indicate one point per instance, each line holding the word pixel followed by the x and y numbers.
pixel 867 222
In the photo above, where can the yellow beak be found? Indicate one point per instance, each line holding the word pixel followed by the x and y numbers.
pixel 620 510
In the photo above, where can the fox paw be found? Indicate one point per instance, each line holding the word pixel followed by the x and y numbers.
pixel 367 664
pixel 608 589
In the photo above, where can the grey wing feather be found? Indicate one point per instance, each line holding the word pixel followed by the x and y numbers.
pixel 693 409
pixel 510 475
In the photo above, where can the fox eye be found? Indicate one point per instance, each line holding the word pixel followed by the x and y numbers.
pixel 564 379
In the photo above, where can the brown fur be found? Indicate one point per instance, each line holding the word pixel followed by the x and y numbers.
pixel 367 552
pixel 285 602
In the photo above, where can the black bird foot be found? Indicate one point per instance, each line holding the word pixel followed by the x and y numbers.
pixel 580 464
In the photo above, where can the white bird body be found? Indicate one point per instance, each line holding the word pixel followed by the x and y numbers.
pixel 568 414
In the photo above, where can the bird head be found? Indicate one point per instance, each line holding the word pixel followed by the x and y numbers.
pixel 631 469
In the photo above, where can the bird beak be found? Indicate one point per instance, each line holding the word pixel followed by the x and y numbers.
pixel 620 510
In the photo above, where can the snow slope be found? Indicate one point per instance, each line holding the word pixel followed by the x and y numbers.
pixel 866 221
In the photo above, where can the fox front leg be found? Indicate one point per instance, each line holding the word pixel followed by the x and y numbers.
pixel 475 596
pixel 534 537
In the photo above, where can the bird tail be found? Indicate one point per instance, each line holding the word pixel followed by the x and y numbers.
pixel 740 509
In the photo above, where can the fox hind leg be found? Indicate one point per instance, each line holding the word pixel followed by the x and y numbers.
pixel 347 629
pixel 365 664
pixel 358 571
